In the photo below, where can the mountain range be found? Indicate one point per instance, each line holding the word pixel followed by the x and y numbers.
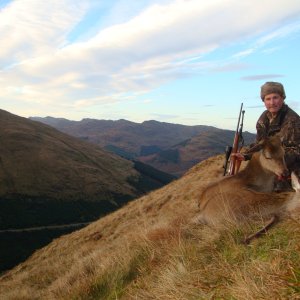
pixel 171 148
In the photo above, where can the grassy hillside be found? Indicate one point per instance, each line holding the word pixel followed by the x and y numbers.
pixel 48 177
pixel 17 246
pixel 152 249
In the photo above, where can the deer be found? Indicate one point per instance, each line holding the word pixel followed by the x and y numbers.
pixel 249 192
pixel 280 208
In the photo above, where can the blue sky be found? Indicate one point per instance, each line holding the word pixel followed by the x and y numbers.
pixel 180 61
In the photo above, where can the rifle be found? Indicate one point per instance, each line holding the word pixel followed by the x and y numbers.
pixel 238 140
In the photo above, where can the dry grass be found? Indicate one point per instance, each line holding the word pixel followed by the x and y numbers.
pixel 150 249
pixel 207 265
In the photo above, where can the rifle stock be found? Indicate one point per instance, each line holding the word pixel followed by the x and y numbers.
pixel 227 155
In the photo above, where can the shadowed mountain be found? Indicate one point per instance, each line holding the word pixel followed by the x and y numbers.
pixel 48 177
pixel 171 148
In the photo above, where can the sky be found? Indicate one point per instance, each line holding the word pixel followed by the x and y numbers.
pixel 189 62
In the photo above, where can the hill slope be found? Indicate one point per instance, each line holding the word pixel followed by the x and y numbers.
pixel 150 249
pixel 48 177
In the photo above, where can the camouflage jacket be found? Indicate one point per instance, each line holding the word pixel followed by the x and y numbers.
pixel 287 125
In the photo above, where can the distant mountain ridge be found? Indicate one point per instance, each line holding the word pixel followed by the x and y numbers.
pixel 183 156
pixel 124 134
pixel 172 148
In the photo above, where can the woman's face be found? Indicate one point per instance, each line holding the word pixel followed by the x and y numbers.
pixel 273 103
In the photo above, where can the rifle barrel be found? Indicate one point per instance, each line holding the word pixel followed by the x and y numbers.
pixel 236 141
pixel 241 112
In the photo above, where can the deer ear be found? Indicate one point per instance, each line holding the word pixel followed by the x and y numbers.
pixel 267 154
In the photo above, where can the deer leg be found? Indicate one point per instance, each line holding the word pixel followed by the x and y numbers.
pixel 257 234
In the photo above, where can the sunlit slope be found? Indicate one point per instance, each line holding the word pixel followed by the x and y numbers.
pixel 152 249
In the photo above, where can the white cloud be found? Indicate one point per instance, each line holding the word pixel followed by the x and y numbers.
pixel 243 53
pixel 29 28
pixel 161 43
pixel 279 33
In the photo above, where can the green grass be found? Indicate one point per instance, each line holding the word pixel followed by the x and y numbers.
pixel 207 265
pixel 112 283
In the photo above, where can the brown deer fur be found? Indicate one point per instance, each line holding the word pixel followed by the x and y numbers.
pixel 248 192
